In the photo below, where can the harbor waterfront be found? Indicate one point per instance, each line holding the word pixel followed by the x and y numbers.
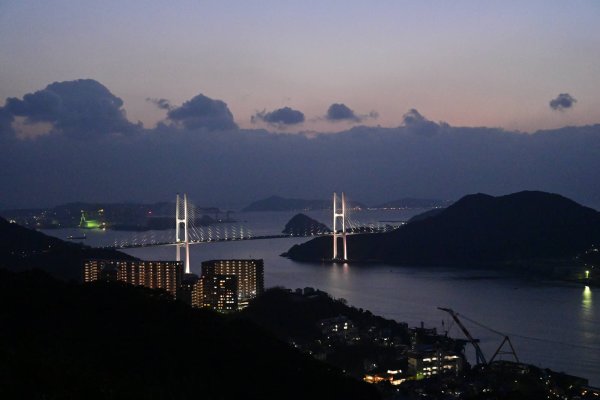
pixel 551 324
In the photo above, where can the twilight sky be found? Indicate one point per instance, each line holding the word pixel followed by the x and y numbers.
pixel 468 63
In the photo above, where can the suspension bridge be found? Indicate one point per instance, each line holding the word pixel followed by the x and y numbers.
pixel 190 231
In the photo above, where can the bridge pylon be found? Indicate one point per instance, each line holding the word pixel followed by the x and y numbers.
pixel 336 216
pixel 179 243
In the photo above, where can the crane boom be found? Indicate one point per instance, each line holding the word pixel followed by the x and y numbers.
pixel 480 358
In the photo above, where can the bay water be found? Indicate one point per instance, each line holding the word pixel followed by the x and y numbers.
pixel 551 324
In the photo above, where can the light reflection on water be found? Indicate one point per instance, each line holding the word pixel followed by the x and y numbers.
pixel 586 304
pixel 587 315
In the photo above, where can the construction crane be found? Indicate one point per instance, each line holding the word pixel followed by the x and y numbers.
pixel 479 357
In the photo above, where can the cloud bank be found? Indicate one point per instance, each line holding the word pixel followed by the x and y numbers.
pixel 230 167
pixel 420 125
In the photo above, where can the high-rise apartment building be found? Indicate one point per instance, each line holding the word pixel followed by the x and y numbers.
pixel 187 288
pixel 152 274
pixel 217 292
pixel 249 273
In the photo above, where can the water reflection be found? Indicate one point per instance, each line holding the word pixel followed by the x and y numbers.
pixel 587 306
pixel 339 274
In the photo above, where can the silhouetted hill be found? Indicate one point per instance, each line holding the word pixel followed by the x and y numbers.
pixel 303 225
pixel 426 214
pixel 410 202
pixel 292 315
pixel 296 317
pixel 114 341
pixel 24 249
pixel 277 203
pixel 524 228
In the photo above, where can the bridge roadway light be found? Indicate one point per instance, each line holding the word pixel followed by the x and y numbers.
pixel 587 274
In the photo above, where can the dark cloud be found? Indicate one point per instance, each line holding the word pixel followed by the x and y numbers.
pixel 562 102
pixel 281 116
pixel 202 112
pixel 6 120
pixel 163 104
pixel 417 123
pixel 341 112
pixel 82 108
pixel 236 166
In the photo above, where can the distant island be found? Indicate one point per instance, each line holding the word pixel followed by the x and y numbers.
pixel 303 225
pixel 277 203
pixel 527 229
pixel 115 216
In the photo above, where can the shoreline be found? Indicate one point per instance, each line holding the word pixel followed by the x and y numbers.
pixel 532 272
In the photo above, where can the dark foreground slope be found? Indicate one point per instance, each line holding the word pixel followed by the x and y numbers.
pixel 521 228
pixel 24 249
pixel 292 315
pixel 110 341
